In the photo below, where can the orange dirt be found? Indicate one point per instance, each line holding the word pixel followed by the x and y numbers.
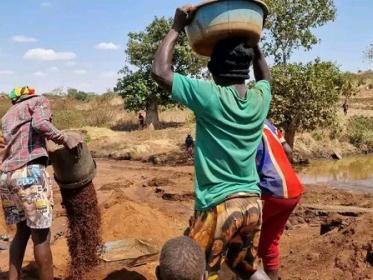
pixel 154 203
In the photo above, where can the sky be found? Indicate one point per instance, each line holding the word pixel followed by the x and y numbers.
pixel 51 44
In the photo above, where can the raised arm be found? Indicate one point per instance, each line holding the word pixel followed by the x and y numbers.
pixel 161 71
pixel 261 69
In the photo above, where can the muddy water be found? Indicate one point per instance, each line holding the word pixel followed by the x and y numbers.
pixel 352 173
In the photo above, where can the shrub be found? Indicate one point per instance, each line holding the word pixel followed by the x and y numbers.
pixel 65 119
pixel 360 132
pixel 100 113
pixel 79 95
pixel 336 131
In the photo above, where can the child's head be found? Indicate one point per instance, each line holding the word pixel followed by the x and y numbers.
pixel 181 259
pixel 231 60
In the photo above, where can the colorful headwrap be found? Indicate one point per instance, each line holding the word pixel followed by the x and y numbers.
pixel 18 92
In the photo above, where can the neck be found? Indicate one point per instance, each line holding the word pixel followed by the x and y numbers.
pixel 238 84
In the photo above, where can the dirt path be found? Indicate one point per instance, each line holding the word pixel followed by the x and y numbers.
pixel 154 203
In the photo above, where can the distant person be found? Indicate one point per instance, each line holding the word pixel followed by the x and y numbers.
pixel 345 107
pixel 141 121
pixel 281 192
pixel 189 145
pixel 25 186
pixel 181 259
pixel 229 129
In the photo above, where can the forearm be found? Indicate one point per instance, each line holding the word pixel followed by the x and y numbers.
pixel 49 131
pixel 261 69
pixel 161 71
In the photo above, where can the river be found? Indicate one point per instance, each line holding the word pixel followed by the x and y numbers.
pixel 355 173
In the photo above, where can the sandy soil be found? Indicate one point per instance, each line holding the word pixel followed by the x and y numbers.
pixel 154 203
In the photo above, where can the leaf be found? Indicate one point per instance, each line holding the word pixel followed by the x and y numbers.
pixel 291 23
pixel 137 87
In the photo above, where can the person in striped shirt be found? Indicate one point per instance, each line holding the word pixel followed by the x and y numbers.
pixel 281 192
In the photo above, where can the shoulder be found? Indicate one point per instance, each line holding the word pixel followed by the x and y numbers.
pixel 275 131
pixel 182 79
pixel 40 100
pixel 37 103
pixel 263 84
pixel 263 88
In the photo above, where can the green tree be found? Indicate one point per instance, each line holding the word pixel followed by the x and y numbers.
pixel 79 95
pixel 350 85
pixel 291 23
pixel 136 85
pixel 305 96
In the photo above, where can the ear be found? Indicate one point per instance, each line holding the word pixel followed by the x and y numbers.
pixel 158 273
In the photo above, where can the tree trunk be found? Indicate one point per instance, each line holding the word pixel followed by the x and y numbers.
pixel 152 117
pixel 290 135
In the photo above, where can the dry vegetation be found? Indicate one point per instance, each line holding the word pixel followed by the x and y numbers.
pixel 113 132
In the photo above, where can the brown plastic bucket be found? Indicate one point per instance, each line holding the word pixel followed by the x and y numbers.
pixel 73 169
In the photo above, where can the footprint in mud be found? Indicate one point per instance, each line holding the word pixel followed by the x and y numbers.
pixel 158 182
pixel 116 185
pixel 116 197
pixel 174 196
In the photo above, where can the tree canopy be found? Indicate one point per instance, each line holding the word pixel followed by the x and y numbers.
pixel 136 85
pixel 291 23
pixel 305 96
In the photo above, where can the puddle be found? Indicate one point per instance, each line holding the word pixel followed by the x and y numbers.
pixel 352 173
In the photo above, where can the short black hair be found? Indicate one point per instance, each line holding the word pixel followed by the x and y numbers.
pixel 231 58
pixel 181 259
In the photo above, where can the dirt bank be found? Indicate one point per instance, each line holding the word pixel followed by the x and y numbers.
pixel 154 203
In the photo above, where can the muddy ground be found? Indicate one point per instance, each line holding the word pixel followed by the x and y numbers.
pixel 328 237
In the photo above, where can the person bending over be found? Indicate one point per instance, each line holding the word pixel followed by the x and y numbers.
pixel 281 192
pixel 181 259
pixel 229 120
pixel 25 187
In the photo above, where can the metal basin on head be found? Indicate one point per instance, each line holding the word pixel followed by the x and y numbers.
pixel 216 20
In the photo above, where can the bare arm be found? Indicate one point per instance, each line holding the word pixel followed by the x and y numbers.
pixel 261 69
pixel 161 71
pixel 41 122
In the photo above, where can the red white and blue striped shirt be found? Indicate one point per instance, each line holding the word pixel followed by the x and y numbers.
pixel 277 176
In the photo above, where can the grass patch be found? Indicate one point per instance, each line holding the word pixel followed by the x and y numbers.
pixel 360 132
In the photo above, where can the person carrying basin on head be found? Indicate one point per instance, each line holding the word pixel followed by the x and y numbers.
pixel 25 186
pixel 230 119
pixel 281 192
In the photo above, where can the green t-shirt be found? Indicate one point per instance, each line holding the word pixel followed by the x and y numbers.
pixel 229 130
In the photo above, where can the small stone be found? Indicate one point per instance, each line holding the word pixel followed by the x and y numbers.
pixel 4 237
pixel 313 256
pixel 289 226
